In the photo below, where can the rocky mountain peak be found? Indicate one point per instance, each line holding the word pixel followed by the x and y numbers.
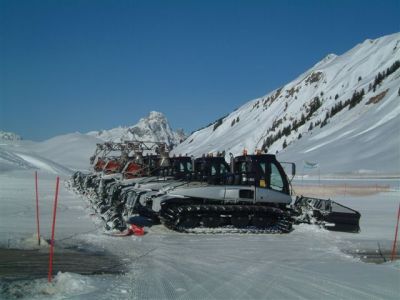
pixel 155 127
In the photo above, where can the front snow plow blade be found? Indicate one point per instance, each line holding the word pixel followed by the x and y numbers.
pixel 328 213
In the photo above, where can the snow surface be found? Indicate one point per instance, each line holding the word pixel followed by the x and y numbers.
pixel 368 133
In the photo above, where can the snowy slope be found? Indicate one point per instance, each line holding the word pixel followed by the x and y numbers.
pixel 10 161
pixel 363 139
pixel 155 127
pixel 59 155
pixel 71 150
pixel 16 159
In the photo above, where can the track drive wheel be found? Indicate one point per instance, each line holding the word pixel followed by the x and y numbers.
pixel 211 220
pixel 189 221
pixel 263 220
pixel 240 221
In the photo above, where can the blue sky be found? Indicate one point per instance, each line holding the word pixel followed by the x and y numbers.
pixel 69 66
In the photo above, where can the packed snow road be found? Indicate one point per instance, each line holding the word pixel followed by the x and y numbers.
pixel 309 263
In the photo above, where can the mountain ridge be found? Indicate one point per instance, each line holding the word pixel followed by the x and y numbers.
pixel 332 94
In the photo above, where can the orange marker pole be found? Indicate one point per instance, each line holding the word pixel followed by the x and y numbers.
pixel 52 232
pixel 37 208
pixel 395 235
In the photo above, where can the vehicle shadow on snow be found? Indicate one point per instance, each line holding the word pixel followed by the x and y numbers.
pixel 141 221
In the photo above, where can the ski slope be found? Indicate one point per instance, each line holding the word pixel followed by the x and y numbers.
pixel 59 155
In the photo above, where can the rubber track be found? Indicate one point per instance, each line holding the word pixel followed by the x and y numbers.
pixel 171 216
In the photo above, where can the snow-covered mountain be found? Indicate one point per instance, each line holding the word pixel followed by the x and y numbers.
pixel 155 127
pixel 343 113
pixel 9 136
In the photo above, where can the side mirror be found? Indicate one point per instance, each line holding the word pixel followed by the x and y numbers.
pixel 293 168
pixel 231 163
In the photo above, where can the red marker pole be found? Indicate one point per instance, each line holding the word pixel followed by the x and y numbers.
pixel 52 232
pixel 395 236
pixel 37 208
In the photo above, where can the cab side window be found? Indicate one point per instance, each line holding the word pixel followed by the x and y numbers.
pixel 241 167
pixel 223 169
pixel 213 170
pixel 276 179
